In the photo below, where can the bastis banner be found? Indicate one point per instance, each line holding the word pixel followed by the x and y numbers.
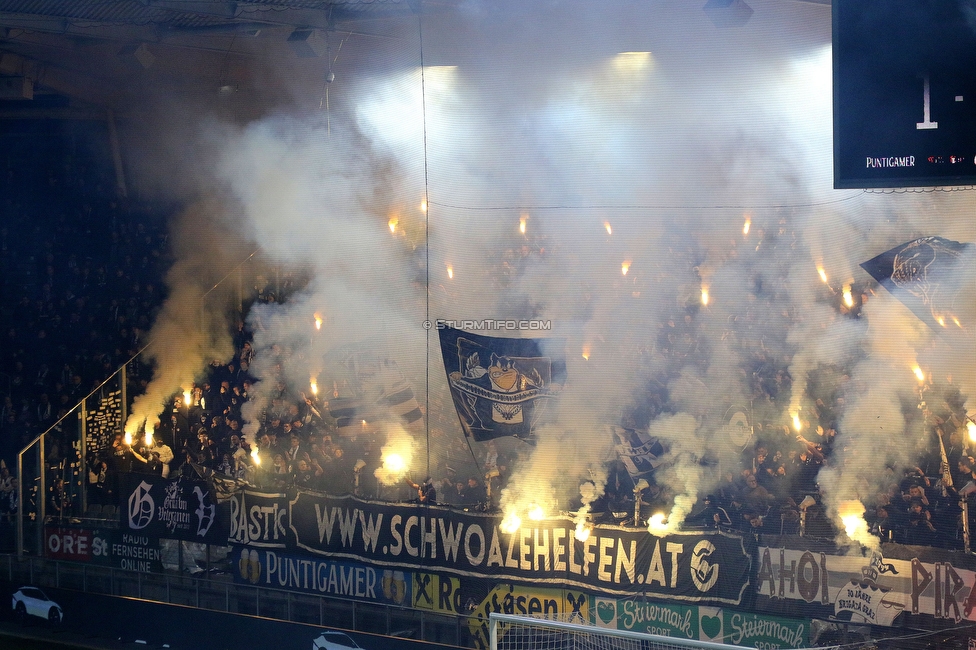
pixel 694 567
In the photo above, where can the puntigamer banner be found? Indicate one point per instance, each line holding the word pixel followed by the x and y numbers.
pixel 615 560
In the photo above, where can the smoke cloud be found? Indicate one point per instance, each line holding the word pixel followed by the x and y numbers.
pixel 650 156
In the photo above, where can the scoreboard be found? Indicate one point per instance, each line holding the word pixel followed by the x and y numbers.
pixel 904 89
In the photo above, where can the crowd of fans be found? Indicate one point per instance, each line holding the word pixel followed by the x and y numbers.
pixel 80 277
pixel 82 282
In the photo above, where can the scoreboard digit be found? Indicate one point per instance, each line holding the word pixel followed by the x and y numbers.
pixel 904 93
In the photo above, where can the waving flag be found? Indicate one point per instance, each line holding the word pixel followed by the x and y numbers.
pixel 640 452
pixel 373 390
pixel 501 386
pixel 933 277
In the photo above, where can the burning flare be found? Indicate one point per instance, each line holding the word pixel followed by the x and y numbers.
pixel 582 532
pixel 393 224
pixel 396 456
pixel 823 274
pixel 704 296
pixel 747 225
pixel 848 297
pixel 149 436
pixel 450 272
pixel 606 224
pixel 852 516
pixel 314 385
pixel 586 352
pixel 254 455
pixel 625 267
pixel 657 524
pixel 187 397
pixel 796 421
pixel 918 372
pixel 536 513
pixel 971 429
pixel 511 523
pixel 423 206
pixel 522 221
pixel 318 322
pixel 127 438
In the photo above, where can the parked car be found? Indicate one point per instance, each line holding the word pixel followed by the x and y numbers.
pixel 31 601
pixel 333 640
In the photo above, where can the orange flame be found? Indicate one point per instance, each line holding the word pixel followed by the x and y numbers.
pixel 625 267
pixel 657 524
pixel 582 532
pixel 606 224
pixel 314 386
pixel 796 422
pixel 918 372
pixel 393 224
pixel 823 274
pixel 586 352
pixel 704 296
pixel 450 272
pixel 848 297
pixel 746 225
pixel 318 322
pixel 510 523
pixel 522 221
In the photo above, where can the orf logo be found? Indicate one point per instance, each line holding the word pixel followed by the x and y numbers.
pixel 141 506
pixel 703 573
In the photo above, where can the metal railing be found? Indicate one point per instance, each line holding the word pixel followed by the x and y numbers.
pixel 221 594
pixel 249 279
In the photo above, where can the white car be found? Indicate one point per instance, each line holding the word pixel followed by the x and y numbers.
pixel 31 601
pixel 333 640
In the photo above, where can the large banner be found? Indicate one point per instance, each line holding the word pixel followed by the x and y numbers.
pixel 501 386
pixel 871 589
pixel 172 508
pixel 694 567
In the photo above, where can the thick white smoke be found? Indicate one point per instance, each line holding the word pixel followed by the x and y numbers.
pixel 626 137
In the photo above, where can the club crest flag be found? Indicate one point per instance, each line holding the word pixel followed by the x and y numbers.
pixel 933 277
pixel 502 386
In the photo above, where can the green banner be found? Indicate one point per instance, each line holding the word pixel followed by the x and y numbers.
pixel 700 623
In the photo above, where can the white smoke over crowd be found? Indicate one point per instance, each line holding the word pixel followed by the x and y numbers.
pixel 650 155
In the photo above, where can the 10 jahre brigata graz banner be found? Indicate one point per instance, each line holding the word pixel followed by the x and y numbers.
pixel 693 567
pixel 875 588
